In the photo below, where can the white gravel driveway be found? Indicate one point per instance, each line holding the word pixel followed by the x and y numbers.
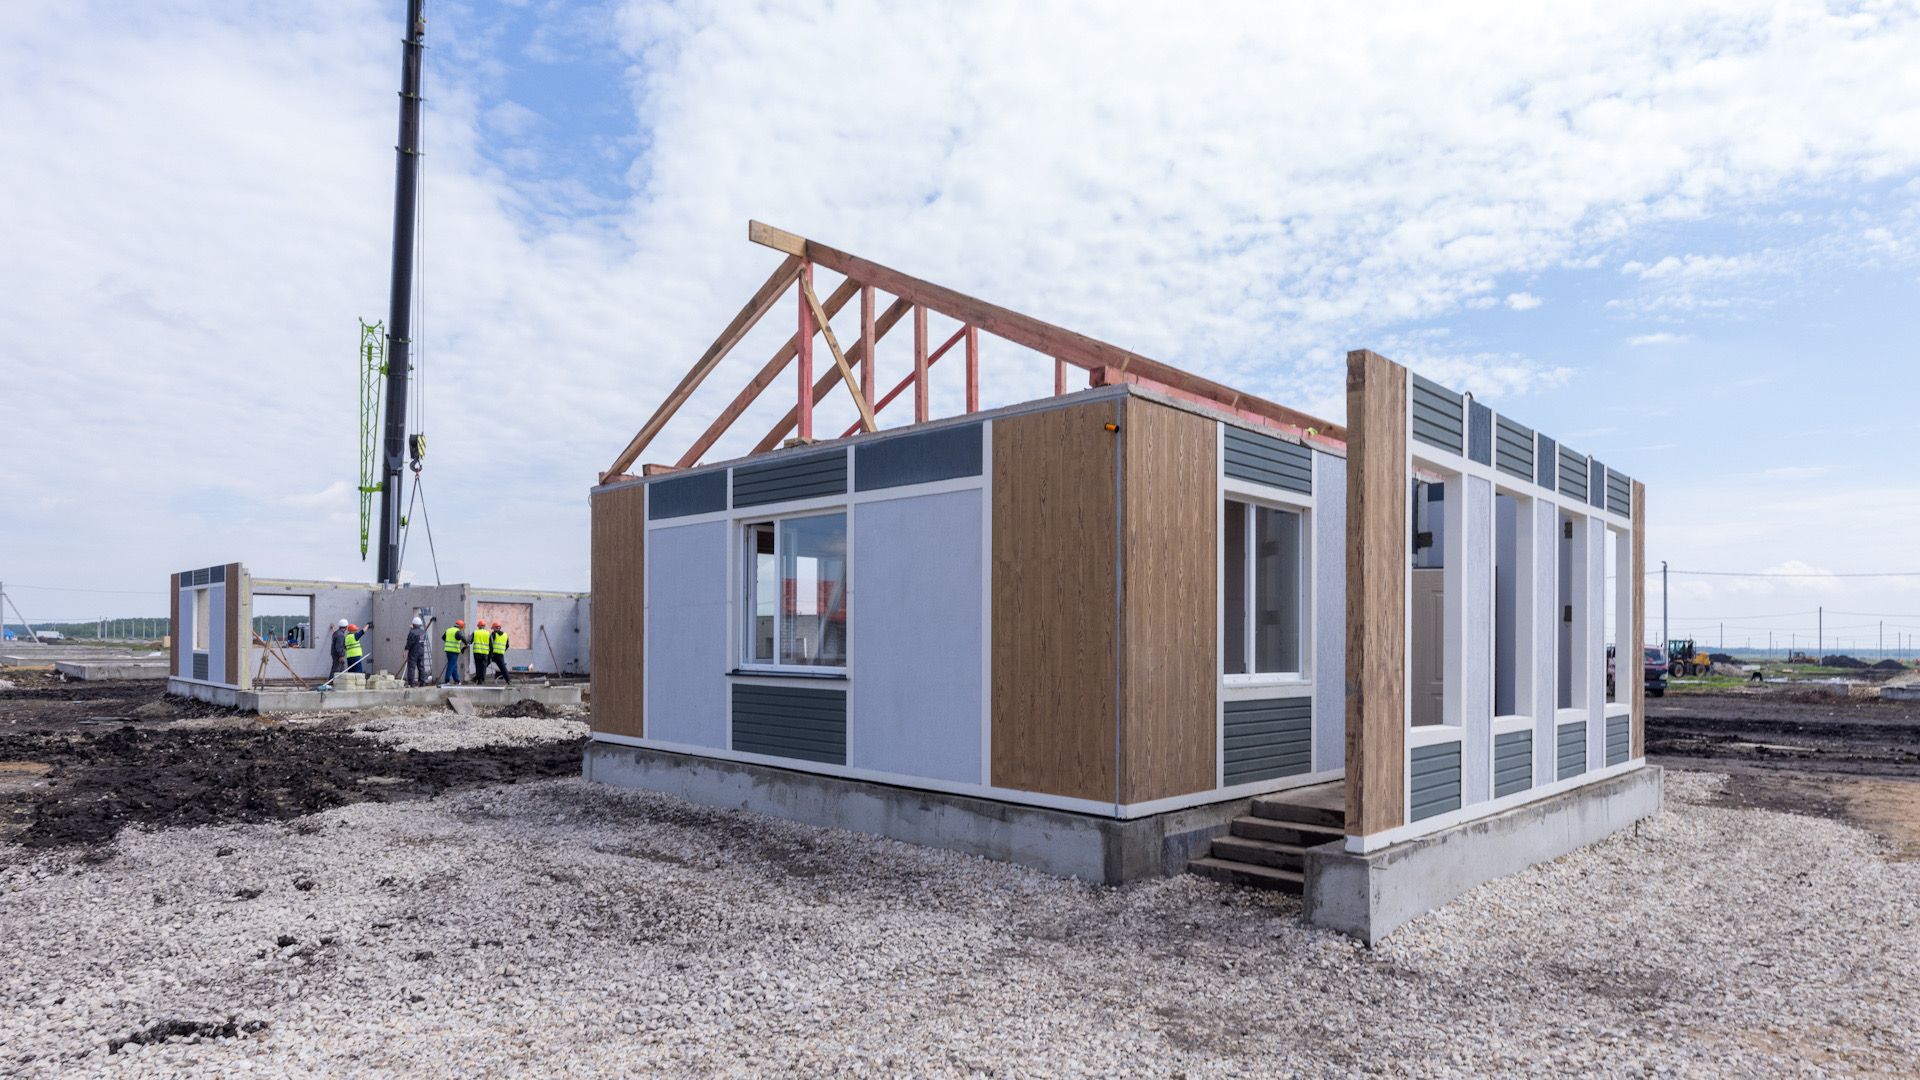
pixel 563 929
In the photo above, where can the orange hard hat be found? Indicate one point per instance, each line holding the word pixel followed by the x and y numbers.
pixel 355 627
pixel 459 622
pixel 496 625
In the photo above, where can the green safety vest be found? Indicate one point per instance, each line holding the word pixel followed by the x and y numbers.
pixel 480 642
pixel 453 639
pixel 353 645
pixel 499 643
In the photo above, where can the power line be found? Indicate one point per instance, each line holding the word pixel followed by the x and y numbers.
pixel 106 592
pixel 1786 574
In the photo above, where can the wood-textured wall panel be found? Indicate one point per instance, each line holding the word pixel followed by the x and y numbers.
pixel 1377 484
pixel 1055 529
pixel 1639 719
pixel 1169 733
pixel 239 631
pixel 619 608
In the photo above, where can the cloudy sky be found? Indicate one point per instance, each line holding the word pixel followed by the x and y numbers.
pixel 1686 238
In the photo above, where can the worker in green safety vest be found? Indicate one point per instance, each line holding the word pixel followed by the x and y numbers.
pixel 497 648
pixel 355 651
pixel 455 642
pixel 482 651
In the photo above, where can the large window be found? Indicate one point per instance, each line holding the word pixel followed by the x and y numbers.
pixel 796 602
pixel 1262 594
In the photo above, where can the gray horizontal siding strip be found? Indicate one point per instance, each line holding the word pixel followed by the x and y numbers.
pixel 1268 730
pixel 1262 715
pixel 1435 783
pixel 1572 757
pixel 702 493
pixel 1302 706
pixel 825 757
pixel 1433 780
pixel 945 454
pixel 1257 756
pixel 1479 433
pixel 1266 738
pixel 786 694
pixel 813 463
pixel 790 720
pixel 1508 773
pixel 1443 417
pixel 781 740
pixel 806 477
pixel 1254 444
pixel 1619 493
pixel 1288 481
pixel 829 475
pixel 1573 735
pixel 1236 460
pixel 1573 473
pixel 799 489
pixel 1547 461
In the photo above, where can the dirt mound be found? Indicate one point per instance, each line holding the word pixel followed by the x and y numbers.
pixel 1720 657
pixel 105 780
pixel 1889 665
pixel 1840 660
pixel 526 708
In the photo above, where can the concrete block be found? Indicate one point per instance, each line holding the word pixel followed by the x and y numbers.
pixel 91 670
pixel 1085 846
pixel 1368 896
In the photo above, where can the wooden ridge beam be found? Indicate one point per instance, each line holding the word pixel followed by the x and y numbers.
pixel 888 318
pixel 768 372
pixel 763 299
pixel 1042 337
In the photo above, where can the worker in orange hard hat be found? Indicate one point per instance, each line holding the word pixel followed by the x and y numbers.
pixel 454 641
pixel 355 650
pixel 482 642
pixel 497 649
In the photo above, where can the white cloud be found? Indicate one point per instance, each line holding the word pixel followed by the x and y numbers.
pixel 193 227
pixel 1661 337
pixel 1521 301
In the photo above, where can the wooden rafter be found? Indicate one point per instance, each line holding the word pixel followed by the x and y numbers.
pixel 764 378
pixel 839 358
pixel 888 318
pixel 904 383
pixel 1045 338
pixel 762 300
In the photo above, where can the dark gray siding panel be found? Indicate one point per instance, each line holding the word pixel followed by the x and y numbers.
pixel 1572 755
pixel 1548 463
pixel 1436 415
pixel 788 721
pixel 1573 474
pixel 795 478
pixel 1266 460
pixel 1513 448
pixel 1617 739
pixel 1512 762
pixel 917 459
pixel 200 666
pixel 1268 738
pixel 701 493
pixel 1596 483
pixel 1619 493
pixel 1436 780
pixel 1479 433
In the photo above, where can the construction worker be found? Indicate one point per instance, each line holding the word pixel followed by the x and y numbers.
pixel 354 650
pixel 417 653
pixel 482 651
pixel 339 648
pixel 498 649
pixel 455 643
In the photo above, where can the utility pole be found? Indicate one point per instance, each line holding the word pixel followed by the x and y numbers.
pixel 1820 648
pixel 400 297
pixel 1666 635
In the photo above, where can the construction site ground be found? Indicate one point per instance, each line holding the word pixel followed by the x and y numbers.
pixel 185 892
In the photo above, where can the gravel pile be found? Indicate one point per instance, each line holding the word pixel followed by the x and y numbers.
pixel 562 928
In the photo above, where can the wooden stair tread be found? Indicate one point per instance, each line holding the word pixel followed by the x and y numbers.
pixel 1241 873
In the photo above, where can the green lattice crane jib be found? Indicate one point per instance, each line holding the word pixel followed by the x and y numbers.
pixel 373 371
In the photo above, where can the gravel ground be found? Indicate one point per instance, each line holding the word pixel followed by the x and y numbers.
pixel 558 927
pixel 438 728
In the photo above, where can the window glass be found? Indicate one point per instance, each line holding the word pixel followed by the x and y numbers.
pixel 1276 642
pixel 765 575
pixel 1235 595
pixel 813 590
pixel 1261 593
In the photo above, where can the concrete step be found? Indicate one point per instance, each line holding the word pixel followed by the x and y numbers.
pixel 1286 832
pixel 1281 809
pixel 1259 852
pixel 1239 873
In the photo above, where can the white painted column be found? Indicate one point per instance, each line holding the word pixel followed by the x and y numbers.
pixel 1474 552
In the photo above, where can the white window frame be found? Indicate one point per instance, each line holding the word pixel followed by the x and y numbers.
pixel 1452 726
pixel 1301 508
pixel 744 593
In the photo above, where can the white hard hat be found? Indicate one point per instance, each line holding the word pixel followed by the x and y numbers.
pixel 417 622
pixel 343 622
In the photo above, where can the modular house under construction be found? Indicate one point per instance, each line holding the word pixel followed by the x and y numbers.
pixel 1151 625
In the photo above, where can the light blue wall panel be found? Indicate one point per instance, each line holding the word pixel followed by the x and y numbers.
pixel 914 626
pixel 1476 683
pixel 686 634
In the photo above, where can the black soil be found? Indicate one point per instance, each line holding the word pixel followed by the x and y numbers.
pixel 1787 730
pixel 80 762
